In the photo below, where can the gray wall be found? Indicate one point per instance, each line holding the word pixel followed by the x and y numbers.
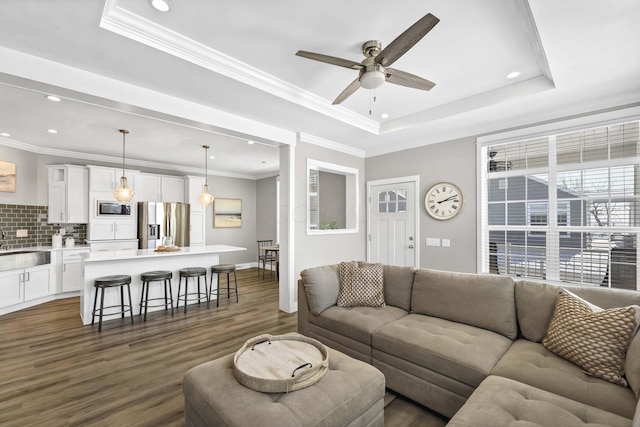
pixel 315 250
pixel 453 161
pixel 332 198
pixel 266 209
pixel 27 176
pixel 245 236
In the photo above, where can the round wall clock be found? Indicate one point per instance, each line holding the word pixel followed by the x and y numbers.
pixel 443 200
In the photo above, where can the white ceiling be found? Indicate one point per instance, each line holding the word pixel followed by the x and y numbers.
pixel 220 73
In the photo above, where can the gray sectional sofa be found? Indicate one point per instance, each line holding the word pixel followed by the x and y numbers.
pixel 469 346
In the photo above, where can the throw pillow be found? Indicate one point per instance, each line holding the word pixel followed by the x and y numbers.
pixel 361 286
pixel 594 339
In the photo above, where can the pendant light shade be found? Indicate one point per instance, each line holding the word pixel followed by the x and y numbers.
pixel 206 198
pixel 123 193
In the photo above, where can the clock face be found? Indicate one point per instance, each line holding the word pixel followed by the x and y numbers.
pixel 443 200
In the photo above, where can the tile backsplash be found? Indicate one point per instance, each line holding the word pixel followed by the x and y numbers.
pixel 34 220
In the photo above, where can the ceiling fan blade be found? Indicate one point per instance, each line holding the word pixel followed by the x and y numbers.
pixel 347 92
pixel 403 78
pixel 330 59
pixel 406 40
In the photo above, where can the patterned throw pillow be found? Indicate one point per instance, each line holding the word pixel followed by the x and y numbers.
pixel 594 339
pixel 361 286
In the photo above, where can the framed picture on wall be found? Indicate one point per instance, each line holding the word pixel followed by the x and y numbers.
pixel 227 213
pixel 7 177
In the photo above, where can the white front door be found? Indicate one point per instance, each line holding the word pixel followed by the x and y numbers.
pixel 392 212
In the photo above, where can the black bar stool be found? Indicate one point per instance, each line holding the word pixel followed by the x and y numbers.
pixel 102 283
pixel 223 269
pixel 155 276
pixel 192 272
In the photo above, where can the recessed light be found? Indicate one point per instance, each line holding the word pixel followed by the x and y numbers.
pixel 384 116
pixel 250 142
pixel 160 5
pixel 513 74
pixel 52 131
pixel 4 134
pixel 212 157
pixel 53 98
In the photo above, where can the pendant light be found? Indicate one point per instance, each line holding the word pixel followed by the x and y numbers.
pixel 206 198
pixel 123 193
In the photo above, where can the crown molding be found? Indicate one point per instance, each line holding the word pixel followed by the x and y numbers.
pixel 117 19
pixel 118 160
pixel 321 142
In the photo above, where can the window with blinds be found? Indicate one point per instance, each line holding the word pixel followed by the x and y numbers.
pixel 563 207
pixel 314 200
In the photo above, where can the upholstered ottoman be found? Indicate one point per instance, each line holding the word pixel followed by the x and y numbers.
pixel 502 402
pixel 349 394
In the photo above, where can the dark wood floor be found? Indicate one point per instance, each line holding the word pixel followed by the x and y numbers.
pixel 56 372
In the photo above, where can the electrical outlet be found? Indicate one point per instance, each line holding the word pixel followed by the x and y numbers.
pixel 21 233
pixel 446 243
pixel 432 241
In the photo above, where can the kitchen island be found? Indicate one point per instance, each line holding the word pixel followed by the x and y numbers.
pixel 135 262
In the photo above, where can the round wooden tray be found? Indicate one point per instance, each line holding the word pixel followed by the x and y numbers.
pixel 280 363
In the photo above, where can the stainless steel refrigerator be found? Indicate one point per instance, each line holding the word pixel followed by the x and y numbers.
pixel 158 221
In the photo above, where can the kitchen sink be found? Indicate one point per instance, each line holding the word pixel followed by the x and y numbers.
pixel 12 260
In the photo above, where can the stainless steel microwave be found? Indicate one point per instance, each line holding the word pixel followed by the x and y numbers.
pixel 106 208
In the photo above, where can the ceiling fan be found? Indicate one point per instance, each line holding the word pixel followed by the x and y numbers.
pixel 374 69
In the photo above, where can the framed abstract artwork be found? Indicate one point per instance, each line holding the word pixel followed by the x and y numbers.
pixel 227 213
pixel 7 177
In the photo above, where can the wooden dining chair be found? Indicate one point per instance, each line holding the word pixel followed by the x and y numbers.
pixel 264 257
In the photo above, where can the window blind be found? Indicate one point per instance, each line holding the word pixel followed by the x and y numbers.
pixel 563 207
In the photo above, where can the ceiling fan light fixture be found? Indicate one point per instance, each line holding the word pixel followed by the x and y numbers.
pixel 373 77
pixel 160 5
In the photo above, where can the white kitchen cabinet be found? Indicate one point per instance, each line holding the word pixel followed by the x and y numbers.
pixel 193 188
pixel 108 179
pixel 72 269
pixel 110 230
pixel 25 284
pixel 197 220
pixel 197 223
pixel 172 189
pixel 159 188
pixel 148 187
pixel 68 194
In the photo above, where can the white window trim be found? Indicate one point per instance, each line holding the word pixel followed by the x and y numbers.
pixel 532 132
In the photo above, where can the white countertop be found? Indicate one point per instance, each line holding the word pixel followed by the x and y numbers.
pixel 47 248
pixel 151 253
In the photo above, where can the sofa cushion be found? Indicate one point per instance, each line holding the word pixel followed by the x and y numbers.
pixel 456 350
pixel 321 285
pixel 592 338
pixel 501 402
pixel 361 285
pixel 398 282
pixel 356 322
pixel 535 302
pixel 531 363
pixel 632 365
pixel 482 300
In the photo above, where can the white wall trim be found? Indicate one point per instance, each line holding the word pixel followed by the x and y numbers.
pixel 118 160
pixel 332 145
pixel 117 19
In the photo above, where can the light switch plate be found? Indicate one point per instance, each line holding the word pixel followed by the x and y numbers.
pixel 446 243
pixel 432 241
pixel 21 233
